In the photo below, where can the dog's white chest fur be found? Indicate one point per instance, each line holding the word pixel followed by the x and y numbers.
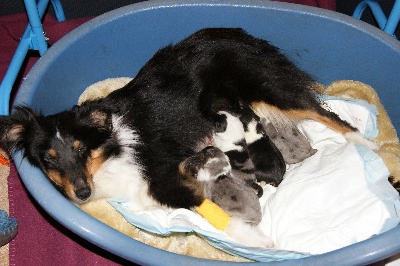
pixel 122 176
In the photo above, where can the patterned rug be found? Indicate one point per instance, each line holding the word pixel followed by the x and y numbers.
pixel 4 172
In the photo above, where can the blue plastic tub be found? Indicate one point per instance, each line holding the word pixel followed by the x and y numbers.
pixel 328 45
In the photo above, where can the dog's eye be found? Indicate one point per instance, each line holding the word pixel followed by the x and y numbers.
pixel 81 151
pixel 79 147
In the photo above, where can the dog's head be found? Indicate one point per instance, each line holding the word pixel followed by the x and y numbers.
pixel 207 165
pixel 69 147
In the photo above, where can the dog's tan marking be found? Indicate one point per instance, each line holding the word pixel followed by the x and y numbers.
pixel 57 179
pixel 69 190
pixel 181 168
pixel 191 182
pixel 76 145
pixel 94 161
pixel 262 109
pixel 302 115
pixel 53 153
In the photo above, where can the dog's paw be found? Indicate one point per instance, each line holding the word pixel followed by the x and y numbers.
pixel 394 183
pixel 247 234
pixel 256 187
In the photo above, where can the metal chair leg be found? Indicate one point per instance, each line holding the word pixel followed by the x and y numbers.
pixel 58 10
pixel 393 20
pixel 32 39
pixel 388 25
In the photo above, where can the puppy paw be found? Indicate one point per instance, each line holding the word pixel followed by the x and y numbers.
pixel 247 234
pixel 395 183
pixel 256 187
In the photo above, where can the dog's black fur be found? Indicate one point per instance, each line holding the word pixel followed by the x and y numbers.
pixel 171 107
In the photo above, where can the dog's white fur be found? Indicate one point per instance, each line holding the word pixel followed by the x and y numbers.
pixel 206 175
pixel 122 176
pixel 251 134
pixel 247 234
pixel 226 141
pixel 358 138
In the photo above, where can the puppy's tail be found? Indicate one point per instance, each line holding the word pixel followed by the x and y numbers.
pixel 286 119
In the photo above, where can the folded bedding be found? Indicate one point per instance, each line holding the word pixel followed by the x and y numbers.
pixel 337 197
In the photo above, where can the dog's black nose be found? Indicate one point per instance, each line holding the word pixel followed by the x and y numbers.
pixel 83 193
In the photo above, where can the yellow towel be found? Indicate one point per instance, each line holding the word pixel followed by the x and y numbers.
pixel 214 214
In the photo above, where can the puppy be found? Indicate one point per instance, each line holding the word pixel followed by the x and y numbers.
pixel 221 185
pixel 292 144
pixel 130 144
pixel 251 152
pixel 211 168
pixel 230 138
pixel 269 165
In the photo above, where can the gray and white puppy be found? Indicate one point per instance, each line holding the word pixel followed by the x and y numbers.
pixel 220 183
pixel 230 189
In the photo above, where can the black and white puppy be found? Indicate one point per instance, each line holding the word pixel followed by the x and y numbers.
pixel 268 162
pixel 231 139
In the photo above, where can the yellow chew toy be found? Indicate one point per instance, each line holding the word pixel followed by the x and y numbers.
pixel 214 214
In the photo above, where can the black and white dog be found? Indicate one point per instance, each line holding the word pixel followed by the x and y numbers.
pixel 130 144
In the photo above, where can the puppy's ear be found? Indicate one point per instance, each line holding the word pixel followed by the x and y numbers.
pixel 16 129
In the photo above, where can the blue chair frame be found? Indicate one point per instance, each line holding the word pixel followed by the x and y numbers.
pixel 389 24
pixel 33 38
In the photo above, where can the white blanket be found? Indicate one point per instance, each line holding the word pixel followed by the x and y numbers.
pixel 337 197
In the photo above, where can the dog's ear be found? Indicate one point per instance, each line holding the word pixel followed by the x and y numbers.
pixel 17 128
pixel 101 118
pixel 94 115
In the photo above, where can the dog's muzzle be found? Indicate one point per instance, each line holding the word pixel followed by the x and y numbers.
pixel 82 190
